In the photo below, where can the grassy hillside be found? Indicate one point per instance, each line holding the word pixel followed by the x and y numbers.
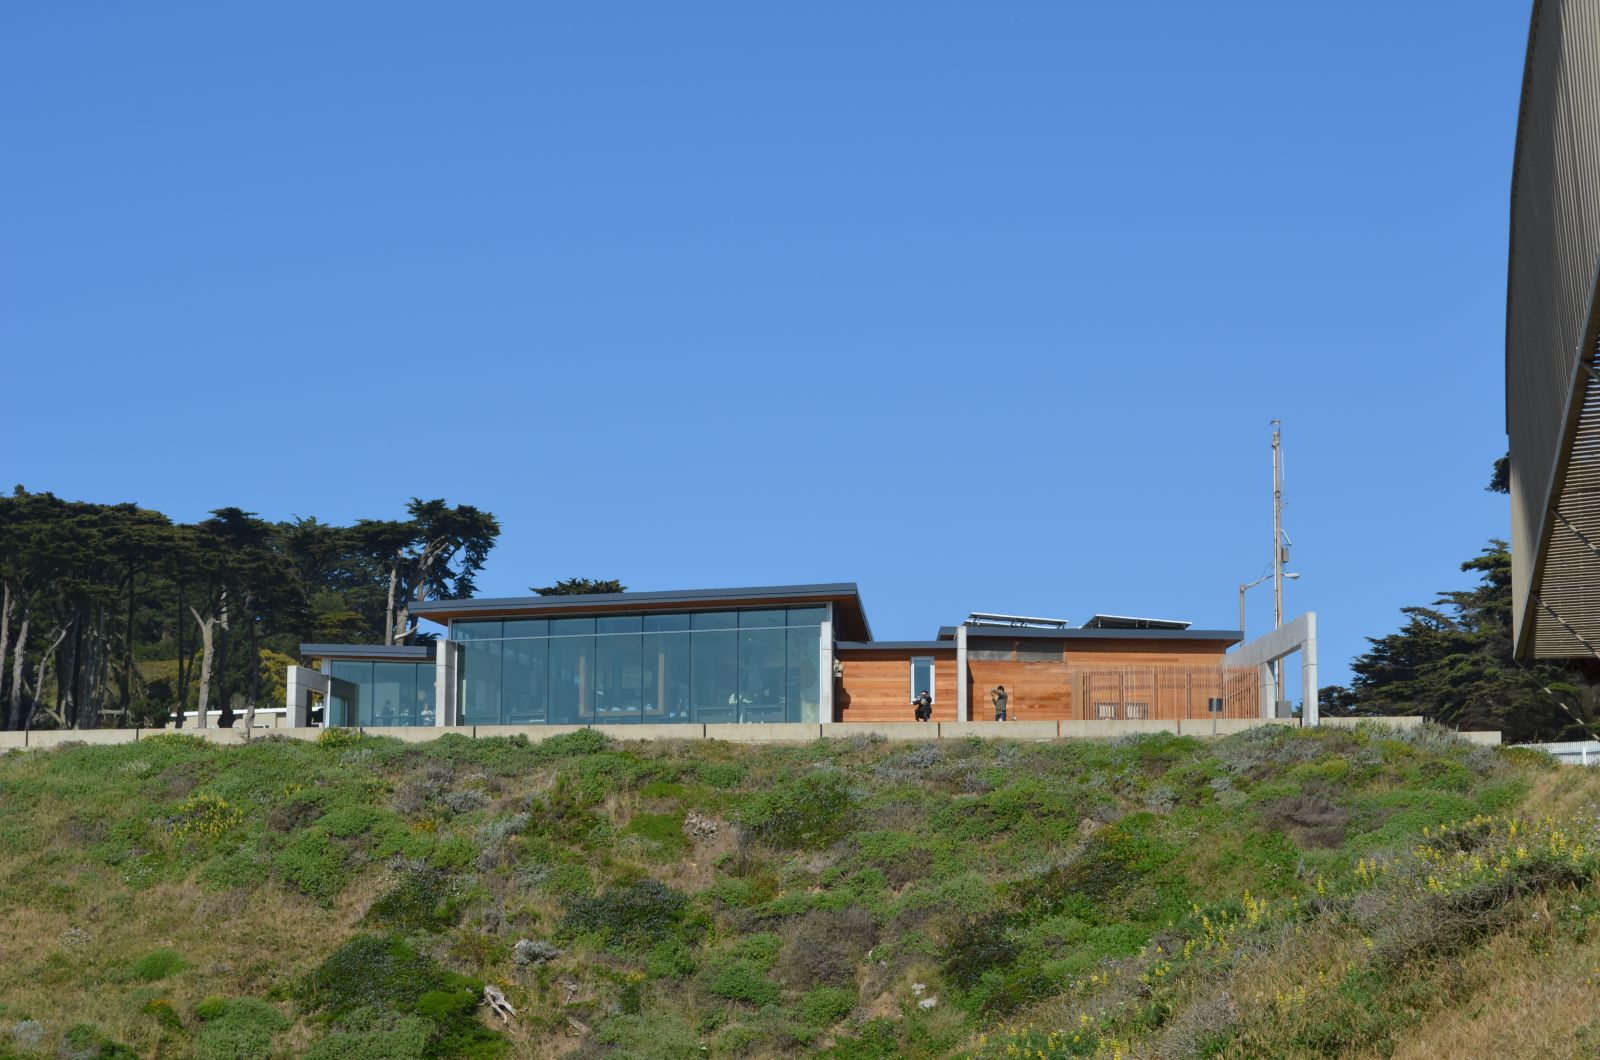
pixel 1277 893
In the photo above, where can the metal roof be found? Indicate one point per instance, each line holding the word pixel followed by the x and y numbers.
pixel 849 615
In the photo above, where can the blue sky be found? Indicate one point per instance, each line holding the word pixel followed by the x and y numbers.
pixel 985 307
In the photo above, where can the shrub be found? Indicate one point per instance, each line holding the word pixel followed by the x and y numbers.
pixel 742 980
pixel 640 912
pixel 205 818
pixel 164 1013
pixel 574 744
pixel 211 1008
pixel 1312 820
pixel 421 901
pixel 313 864
pixel 349 820
pixel 664 830
pixel 339 739
pixel 380 985
pixel 243 1031
pixel 825 945
pixel 405 1038
pixel 827 1005
pixel 978 945
pixel 800 813
pixel 723 775
pixel 83 1041
pixel 157 964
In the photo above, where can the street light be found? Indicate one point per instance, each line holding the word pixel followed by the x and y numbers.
pixel 1252 585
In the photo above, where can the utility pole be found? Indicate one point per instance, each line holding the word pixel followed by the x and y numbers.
pixel 1275 668
pixel 1277 524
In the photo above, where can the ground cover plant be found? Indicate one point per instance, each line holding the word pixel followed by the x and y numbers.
pixel 1333 892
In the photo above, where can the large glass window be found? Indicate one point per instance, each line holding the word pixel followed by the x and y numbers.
pixel 758 664
pixel 763 674
pixel 666 670
pixel 572 680
pixel 380 693
pixel 481 682
pixel 619 676
pixel 804 673
pixel 714 663
pixel 525 677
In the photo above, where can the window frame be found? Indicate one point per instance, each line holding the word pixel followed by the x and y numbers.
pixel 933 691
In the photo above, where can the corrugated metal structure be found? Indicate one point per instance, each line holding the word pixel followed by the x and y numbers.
pixel 1552 327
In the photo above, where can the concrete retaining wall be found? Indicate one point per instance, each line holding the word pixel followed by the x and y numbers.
pixel 767 732
pixel 748 733
pixel 1399 721
pixel 1229 726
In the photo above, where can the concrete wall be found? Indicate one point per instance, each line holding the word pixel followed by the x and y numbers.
pixel 750 733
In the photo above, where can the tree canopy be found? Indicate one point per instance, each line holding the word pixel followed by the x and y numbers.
pixel 580 587
pixel 1452 662
pixel 112 614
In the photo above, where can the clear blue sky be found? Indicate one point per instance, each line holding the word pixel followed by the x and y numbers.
pixel 984 306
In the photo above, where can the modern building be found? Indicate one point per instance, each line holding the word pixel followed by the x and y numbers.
pixel 1552 328
pixel 792 653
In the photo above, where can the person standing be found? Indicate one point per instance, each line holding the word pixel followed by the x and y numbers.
pixel 924 706
pixel 999 697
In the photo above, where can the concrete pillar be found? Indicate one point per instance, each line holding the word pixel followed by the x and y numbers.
pixel 297 695
pixel 825 658
pixel 1309 713
pixel 1267 685
pixel 963 706
pixel 445 707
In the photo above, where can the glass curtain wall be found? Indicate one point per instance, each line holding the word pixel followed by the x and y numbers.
pixel 381 693
pixel 703 666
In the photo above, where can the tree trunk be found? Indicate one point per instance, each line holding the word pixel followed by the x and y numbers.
pixel 226 719
pixel 92 704
pixel 5 640
pixel 67 676
pixel 388 615
pixel 16 666
pixel 127 650
pixel 255 680
pixel 206 625
pixel 183 676
pixel 38 682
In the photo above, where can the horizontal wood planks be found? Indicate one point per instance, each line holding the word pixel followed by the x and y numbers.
pixel 876 686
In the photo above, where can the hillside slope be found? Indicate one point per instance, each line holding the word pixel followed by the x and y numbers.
pixel 1277 893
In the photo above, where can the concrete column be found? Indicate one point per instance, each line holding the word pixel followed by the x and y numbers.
pixel 1267 686
pixel 963 707
pixel 445 707
pixel 1309 713
pixel 297 696
pixel 825 662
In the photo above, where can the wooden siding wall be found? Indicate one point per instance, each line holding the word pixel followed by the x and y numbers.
pixel 1111 681
pixel 876 686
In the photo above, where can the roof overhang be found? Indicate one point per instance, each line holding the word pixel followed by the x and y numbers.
pixel 850 618
pixel 896 646
pixel 381 652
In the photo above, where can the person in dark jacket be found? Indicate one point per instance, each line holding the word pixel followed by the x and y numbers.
pixel 999 697
pixel 923 705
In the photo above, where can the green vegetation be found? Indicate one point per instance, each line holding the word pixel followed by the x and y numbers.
pixel 1278 893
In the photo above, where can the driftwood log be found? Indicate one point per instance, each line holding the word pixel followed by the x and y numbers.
pixel 497 1003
